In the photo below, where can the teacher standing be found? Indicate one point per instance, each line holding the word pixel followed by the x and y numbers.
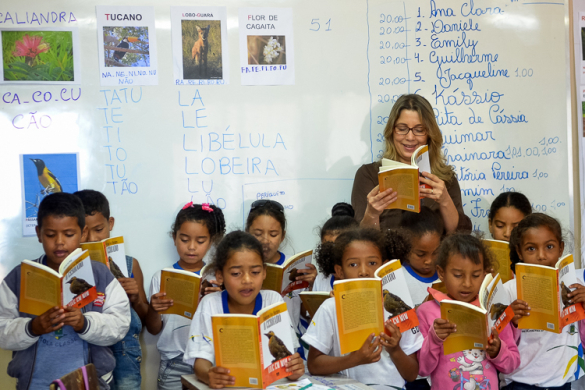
pixel 411 124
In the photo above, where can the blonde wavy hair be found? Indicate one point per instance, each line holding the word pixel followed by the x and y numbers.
pixel 419 104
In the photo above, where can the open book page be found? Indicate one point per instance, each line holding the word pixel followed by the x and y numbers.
pixel 421 159
pixel 471 326
pixel 117 257
pixel 277 345
pixel 501 252
pixel 538 286
pixel 358 303
pixel 406 183
pixel 567 277
pixel 313 300
pixel 497 304
pixel 398 304
pixel 237 348
pixel 273 280
pixel 183 288
pixel 78 282
pixel 292 265
pixel 40 288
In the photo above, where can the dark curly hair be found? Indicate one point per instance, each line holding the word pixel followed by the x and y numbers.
pixel 531 221
pixel 236 241
pixel 342 219
pixel 392 245
pixel 469 247
pixel 510 199
pixel 214 220
pixel 417 225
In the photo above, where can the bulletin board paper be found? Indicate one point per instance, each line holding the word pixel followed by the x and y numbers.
pixel 266 46
pixel 200 53
pixel 132 30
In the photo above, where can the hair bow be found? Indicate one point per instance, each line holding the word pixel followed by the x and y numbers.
pixel 205 206
pixel 190 204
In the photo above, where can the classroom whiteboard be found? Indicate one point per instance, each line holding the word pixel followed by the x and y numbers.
pixel 495 72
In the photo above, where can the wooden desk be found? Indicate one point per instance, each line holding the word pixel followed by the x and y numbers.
pixel 337 381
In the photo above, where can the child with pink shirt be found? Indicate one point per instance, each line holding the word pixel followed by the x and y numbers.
pixel 462 264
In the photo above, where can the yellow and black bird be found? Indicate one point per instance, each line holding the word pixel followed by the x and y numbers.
pixel 394 304
pixel 114 269
pixel 276 347
pixel 78 285
pixel 48 180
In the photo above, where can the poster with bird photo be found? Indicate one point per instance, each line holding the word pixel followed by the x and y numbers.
pixel 44 174
pixel 127 45
pixel 199 39
pixel 35 56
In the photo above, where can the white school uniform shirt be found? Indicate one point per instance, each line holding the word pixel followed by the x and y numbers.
pixel 200 339
pixel 175 329
pixel 382 375
pixel 544 356
pixel 323 283
pixel 417 285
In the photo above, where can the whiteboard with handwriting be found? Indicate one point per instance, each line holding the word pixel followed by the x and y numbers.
pixel 495 71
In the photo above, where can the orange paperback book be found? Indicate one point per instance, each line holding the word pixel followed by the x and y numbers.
pixel 545 290
pixel 501 251
pixel 282 278
pixel 313 300
pixel 474 323
pixel 110 252
pixel 42 288
pixel 255 348
pixel 404 179
pixel 183 288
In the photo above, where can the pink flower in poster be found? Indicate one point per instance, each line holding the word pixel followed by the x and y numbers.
pixel 30 46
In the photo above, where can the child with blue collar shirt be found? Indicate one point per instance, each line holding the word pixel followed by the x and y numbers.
pixel 127 352
pixel 61 340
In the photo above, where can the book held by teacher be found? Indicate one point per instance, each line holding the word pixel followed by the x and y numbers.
pixel 404 179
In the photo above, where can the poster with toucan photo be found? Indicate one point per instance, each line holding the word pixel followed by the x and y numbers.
pixel 126 45
pixel 44 174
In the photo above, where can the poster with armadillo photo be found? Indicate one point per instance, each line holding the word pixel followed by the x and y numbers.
pixel 199 39
pixel 126 45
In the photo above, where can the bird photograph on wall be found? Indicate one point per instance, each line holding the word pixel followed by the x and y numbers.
pixel 126 46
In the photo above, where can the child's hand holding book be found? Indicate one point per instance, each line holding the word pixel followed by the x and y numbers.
pixel 494 344
pixel 390 339
pixel 521 309
pixel 219 377
pixel 158 303
pixel 48 322
pixel 443 328
pixel 369 352
pixel 578 295
pixel 296 366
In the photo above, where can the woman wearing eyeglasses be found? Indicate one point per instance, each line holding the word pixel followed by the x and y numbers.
pixel 411 123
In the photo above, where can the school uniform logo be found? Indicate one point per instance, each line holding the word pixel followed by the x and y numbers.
pixel 100 300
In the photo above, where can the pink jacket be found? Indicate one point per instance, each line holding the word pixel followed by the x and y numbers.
pixel 472 366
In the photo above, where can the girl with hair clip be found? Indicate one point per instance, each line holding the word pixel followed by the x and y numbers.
pixel 548 360
pixel 197 227
pixel 342 219
pixel 383 362
pixel 506 211
pixel 462 264
pixel 267 222
pixel 239 265
pixel 411 124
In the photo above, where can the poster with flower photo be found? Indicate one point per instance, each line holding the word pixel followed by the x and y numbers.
pixel 266 46
pixel 40 56
pixel 127 45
